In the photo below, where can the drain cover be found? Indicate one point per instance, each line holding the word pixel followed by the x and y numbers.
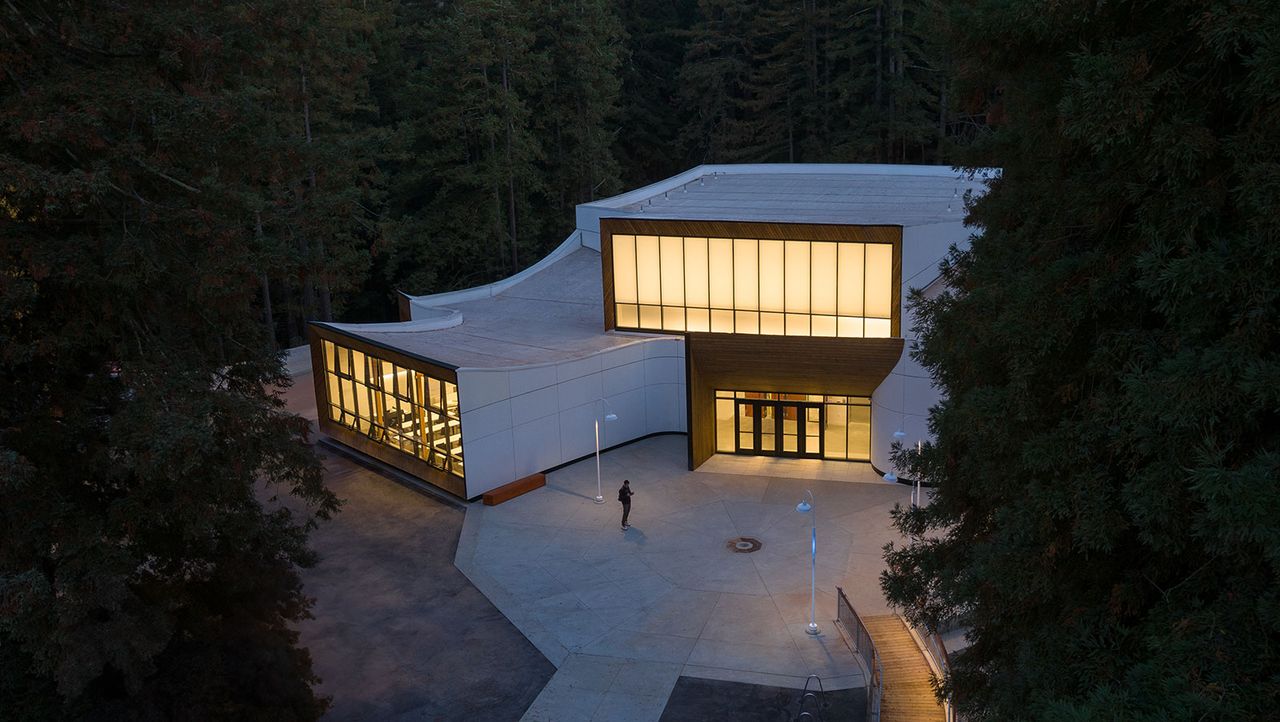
pixel 744 545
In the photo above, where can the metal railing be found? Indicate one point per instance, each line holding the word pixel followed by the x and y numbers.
pixel 859 640
pixel 936 650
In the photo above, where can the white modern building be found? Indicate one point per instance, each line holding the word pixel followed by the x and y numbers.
pixel 759 309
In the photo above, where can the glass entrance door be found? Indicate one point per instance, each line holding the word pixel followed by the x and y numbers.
pixel 778 428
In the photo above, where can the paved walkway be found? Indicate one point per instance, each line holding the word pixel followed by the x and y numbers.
pixel 398 632
pixel 623 615
pixel 908 694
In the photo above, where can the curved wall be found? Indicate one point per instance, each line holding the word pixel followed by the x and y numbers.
pixel 522 420
pixel 904 398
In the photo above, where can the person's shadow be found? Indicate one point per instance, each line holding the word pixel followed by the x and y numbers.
pixel 635 536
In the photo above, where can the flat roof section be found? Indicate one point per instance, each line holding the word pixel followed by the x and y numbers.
pixel 555 315
pixel 816 193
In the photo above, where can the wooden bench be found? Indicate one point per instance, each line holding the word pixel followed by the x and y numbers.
pixel 507 492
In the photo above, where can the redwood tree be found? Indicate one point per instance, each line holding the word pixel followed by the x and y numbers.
pixel 140 577
pixel 1107 519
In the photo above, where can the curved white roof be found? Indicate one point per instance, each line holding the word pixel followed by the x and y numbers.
pixel 900 195
pixel 553 311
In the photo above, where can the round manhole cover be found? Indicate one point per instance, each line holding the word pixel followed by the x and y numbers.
pixel 744 545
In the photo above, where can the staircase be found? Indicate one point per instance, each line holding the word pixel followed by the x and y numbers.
pixel 908 696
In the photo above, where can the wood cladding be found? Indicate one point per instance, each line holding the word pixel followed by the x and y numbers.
pixel 402 306
pixel 752 229
pixel 796 364
pixel 839 233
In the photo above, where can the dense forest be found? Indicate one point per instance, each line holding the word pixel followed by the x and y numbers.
pixel 183 186
pixel 429 146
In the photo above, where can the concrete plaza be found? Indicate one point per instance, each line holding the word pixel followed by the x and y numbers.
pixel 623 615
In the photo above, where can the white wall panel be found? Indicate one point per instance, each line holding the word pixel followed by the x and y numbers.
pixel 631 423
pixel 524 380
pixel 536 446
pixel 481 387
pixel 577 368
pixel 484 421
pixel 534 405
pixel 663 370
pixel 623 355
pixel 578 391
pixel 623 378
pixel 490 462
pixel 577 432
pixel 663 347
pixel 664 406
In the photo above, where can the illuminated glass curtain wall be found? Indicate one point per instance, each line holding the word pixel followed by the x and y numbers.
pixel 396 406
pixel 739 285
pixel 846 422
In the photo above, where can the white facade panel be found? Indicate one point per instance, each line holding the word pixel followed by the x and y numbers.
pixel 485 420
pixel 624 355
pixel 623 378
pixel 578 391
pixel 663 369
pixel 577 431
pixel 534 405
pixel 551 420
pixel 482 387
pixel 524 380
pixel 536 446
pixel 577 368
pixel 490 461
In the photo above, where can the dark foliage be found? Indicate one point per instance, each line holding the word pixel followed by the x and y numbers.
pixel 1107 521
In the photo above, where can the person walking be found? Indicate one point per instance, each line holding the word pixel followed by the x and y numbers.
pixel 624 496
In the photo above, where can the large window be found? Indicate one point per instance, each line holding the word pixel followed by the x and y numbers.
pixel 741 285
pixel 844 423
pixel 396 406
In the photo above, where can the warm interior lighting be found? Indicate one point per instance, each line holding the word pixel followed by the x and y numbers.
pixel 695 273
pixel 749 286
pixel 399 407
pixel 842 422
pixel 648 271
pixel 879 287
pixel 797 277
pixel 624 269
pixel 850 266
pixel 746 274
pixel 672 250
pixel 772 260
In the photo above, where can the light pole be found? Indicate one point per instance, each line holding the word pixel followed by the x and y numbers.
pixel 898 436
pixel 919 446
pixel 806 507
pixel 608 417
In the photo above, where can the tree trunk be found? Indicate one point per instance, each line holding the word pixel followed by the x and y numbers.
pixel 267 316
pixel 497 189
pixel 880 156
pixel 511 172
pixel 326 311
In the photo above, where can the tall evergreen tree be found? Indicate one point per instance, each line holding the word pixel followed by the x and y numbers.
pixel 140 577
pixel 506 122
pixel 1106 519
pixel 648 143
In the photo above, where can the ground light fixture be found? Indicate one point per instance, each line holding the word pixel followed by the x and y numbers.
pixel 607 417
pixel 806 507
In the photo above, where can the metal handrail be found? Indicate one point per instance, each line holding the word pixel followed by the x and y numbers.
pixel 864 647
pixel 819 698
pixel 936 650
